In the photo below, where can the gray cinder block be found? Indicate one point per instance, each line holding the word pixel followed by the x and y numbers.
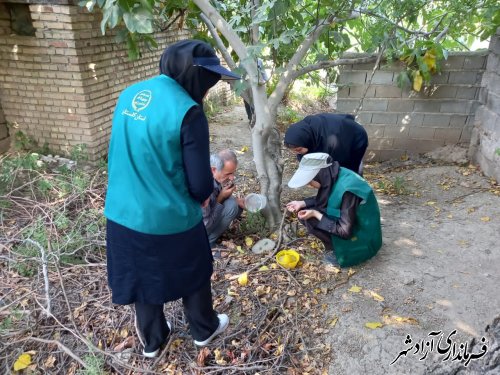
pixel 412 119
pixel 375 104
pixel 385 118
pixel 432 106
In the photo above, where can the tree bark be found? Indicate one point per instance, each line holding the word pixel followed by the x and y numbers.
pixel 266 144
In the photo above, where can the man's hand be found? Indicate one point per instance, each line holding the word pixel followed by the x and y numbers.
pixel 241 202
pixel 225 193
pixel 295 206
pixel 205 203
pixel 307 214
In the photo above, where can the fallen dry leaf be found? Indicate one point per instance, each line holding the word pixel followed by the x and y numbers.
pixel 129 342
pixel 331 268
pixel 376 296
pixel 124 333
pixel 49 362
pixel 202 356
pixel 22 362
pixel 355 289
pixel 243 279
pixel 373 325
pixel 248 241
pixel 219 359
pixel 395 319
pixel 485 219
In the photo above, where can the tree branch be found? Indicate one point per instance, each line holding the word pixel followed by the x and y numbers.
pixel 375 67
pixel 442 34
pixel 409 31
pixel 61 346
pixel 254 28
pixel 288 75
pixel 376 15
pixel 221 24
pixel 220 45
pixel 166 27
pixel 233 39
pixel 43 256
pixel 332 63
pixel 225 54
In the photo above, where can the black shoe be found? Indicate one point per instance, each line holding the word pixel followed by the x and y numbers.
pixel 330 258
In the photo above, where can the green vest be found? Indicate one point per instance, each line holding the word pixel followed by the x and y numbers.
pixel 366 239
pixel 147 189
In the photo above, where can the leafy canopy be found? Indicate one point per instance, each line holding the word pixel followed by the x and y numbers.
pixel 419 32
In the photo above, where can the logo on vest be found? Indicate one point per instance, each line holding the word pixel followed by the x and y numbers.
pixel 141 100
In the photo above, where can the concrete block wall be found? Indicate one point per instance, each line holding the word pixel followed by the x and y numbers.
pixel 61 85
pixel 404 121
pixel 485 143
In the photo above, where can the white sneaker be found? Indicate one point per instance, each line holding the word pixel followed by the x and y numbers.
pixel 155 353
pixel 223 323
pixel 151 354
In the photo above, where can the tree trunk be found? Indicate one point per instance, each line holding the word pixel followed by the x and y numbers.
pixel 266 144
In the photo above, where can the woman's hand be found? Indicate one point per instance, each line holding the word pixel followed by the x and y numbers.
pixel 314 184
pixel 295 206
pixel 307 214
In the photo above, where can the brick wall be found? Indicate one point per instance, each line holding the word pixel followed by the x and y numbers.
pixel 403 121
pixel 485 142
pixel 4 133
pixel 60 86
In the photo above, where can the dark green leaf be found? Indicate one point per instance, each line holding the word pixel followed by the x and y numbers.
pixel 121 35
pixel 125 5
pixel 403 80
pixel 133 50
pixel 139 21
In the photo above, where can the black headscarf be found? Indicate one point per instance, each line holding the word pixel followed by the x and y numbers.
pixel 335 134
pixel 177 63
pixel 327 178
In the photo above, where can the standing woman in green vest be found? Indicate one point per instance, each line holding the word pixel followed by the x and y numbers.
pixel 159 178
pixel 344 215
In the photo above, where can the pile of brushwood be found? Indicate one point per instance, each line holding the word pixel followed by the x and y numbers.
pixel 56 315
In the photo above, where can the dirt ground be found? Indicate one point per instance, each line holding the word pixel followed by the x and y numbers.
pixel 438 269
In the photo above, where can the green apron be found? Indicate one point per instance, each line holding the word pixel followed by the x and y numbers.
pixel 366 238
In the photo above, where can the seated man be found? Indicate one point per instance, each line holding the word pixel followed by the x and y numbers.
pixel 222 207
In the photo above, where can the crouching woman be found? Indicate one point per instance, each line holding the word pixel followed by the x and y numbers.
pixel 344 214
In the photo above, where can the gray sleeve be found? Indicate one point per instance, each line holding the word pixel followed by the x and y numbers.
pixel 212 211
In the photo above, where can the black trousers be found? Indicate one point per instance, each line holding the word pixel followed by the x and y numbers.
pixel 153 329
pixel 249 110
